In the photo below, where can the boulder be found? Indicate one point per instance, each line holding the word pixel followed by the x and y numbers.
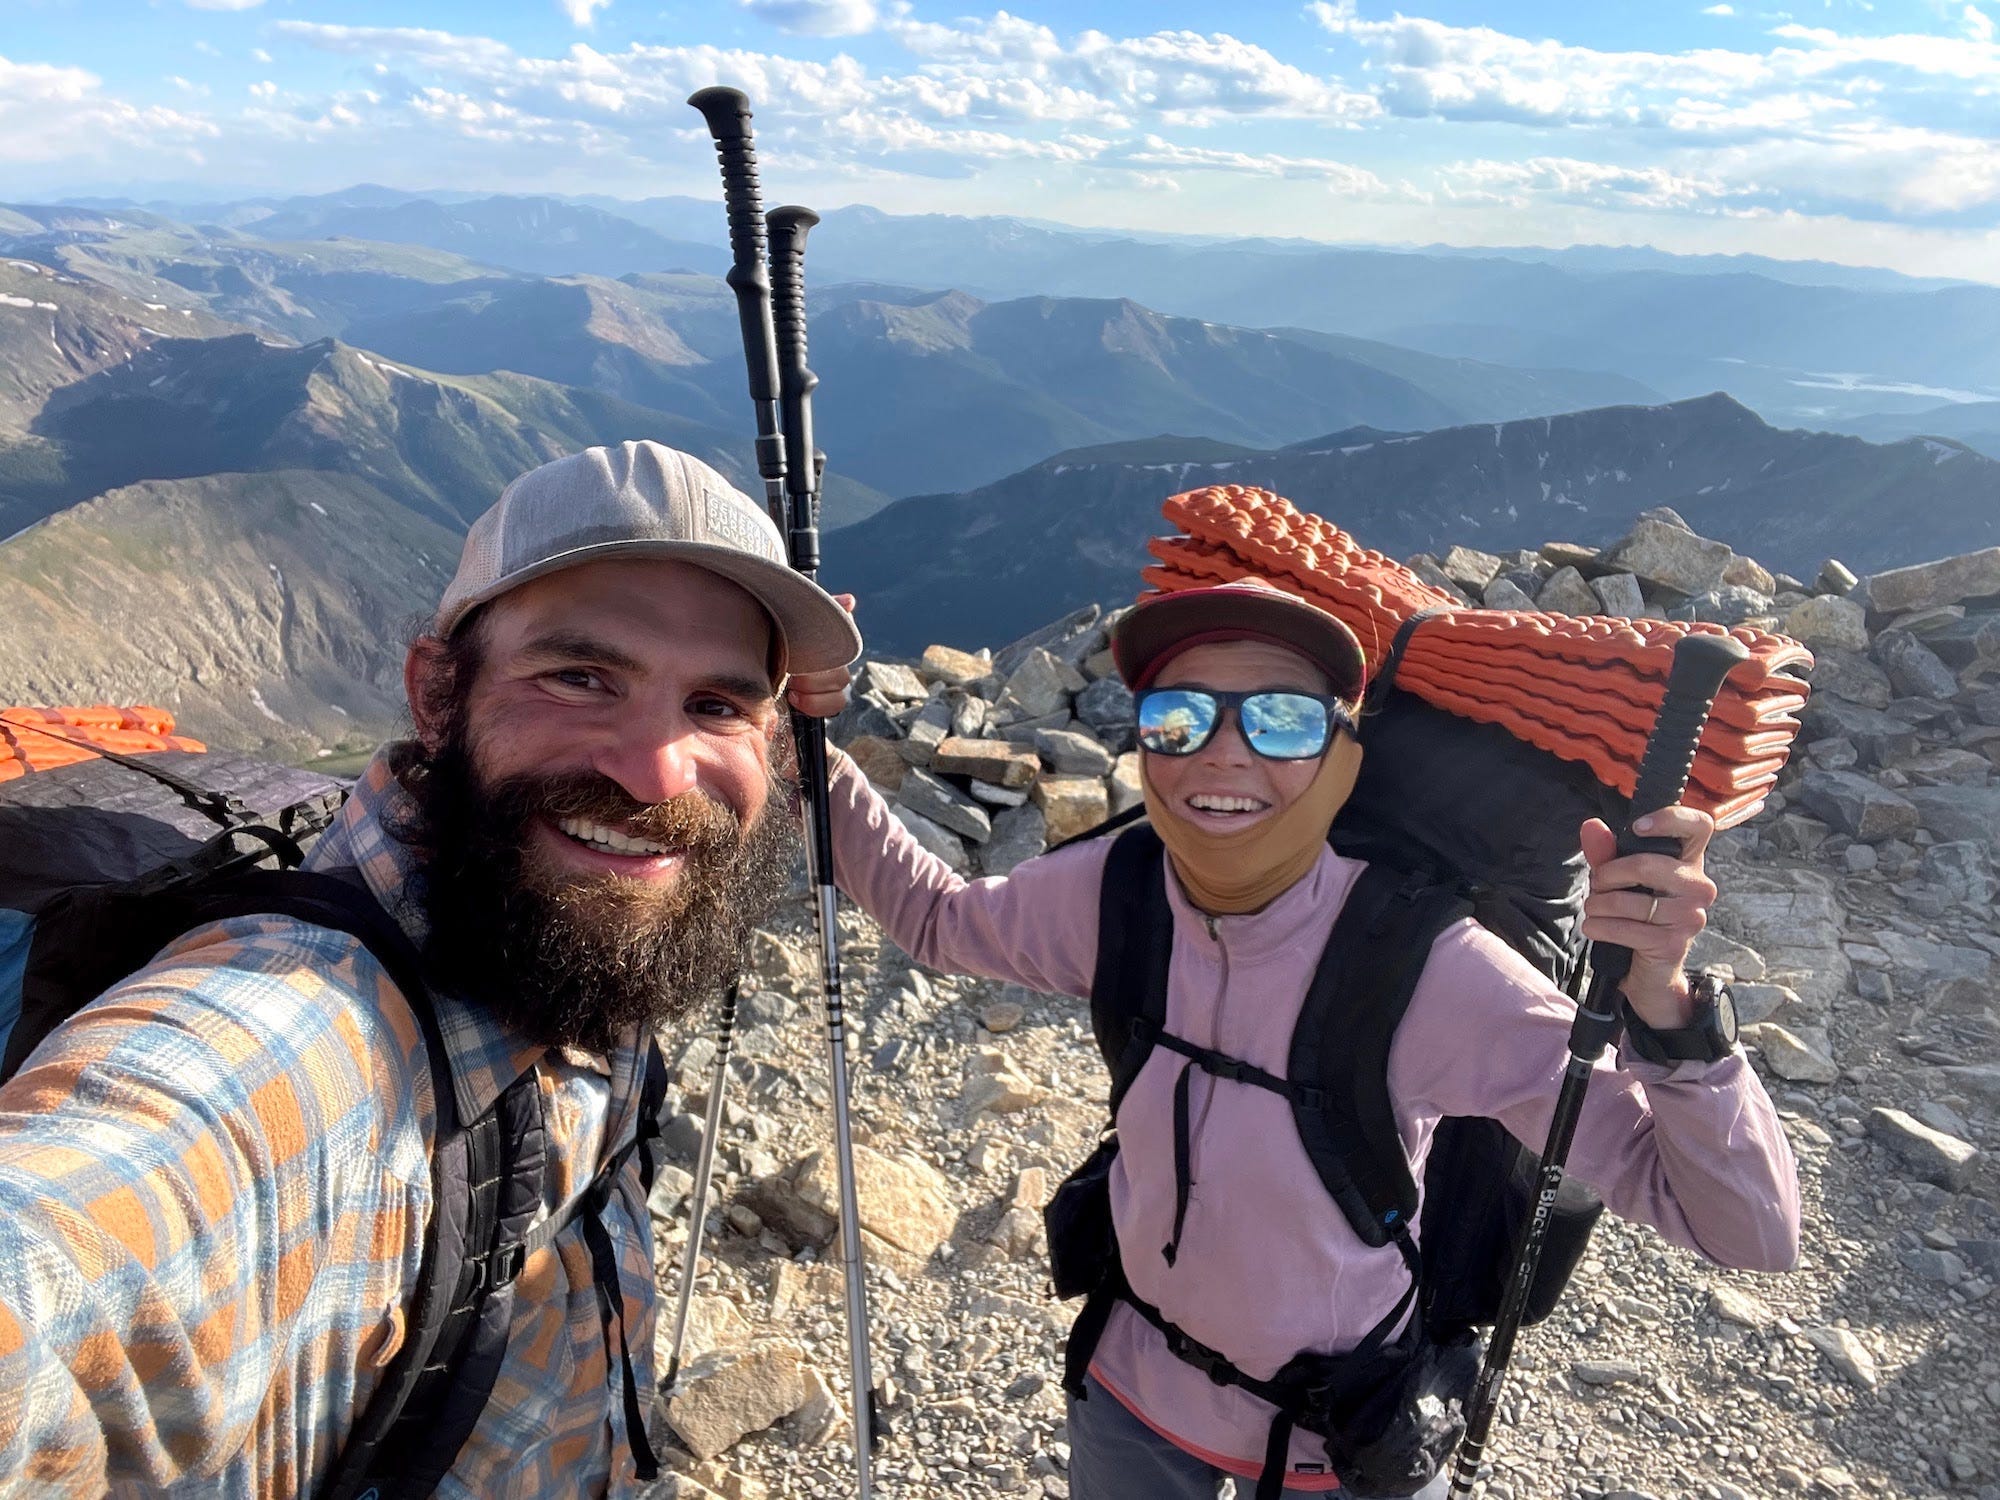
pixel 945 805
pixel 1748 573
pixel 923 733
pixel 1914 669
pixel 1966 641
pixel 1792 918
pixel 1105 705
pixel 1963 868
pixel 1970 813
pixel 1469 568
pixel 1074 638
pixel 905 1204
pixel 1802 1056
pixel 995 761
pixel 1922 964
pixel 723 1397
pixel 1834 577
pixel 878 760
pixel 1879 739
pixel 1840 673
pixel 1068 753
pixel 1930 1155
pixel 1671 557
pixel 1846 1353
pixel 942 842
pixel 1123 783
pixel 893 682
pixel 1856 806
pixel 1072 804
pixel 1730 604
pixel 866 714
pixel 1946 581
pixel 1019 834
pixel 1825 621
pixel 958 668
pixel 1567 594
pixel 1619 594
pixel 1035 687
pixel 1504 593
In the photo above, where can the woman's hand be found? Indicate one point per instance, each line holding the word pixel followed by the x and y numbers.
pixel 1653 904
pixel 822 694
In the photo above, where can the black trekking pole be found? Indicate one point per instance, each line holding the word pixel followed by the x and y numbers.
pixel 792 494
pixel 1700 664
pixel 789 227
pixel 704 1170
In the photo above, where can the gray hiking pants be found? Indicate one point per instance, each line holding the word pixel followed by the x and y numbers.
pixel 1115 1456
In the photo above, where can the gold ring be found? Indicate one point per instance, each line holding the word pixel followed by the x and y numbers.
pixel 1652 911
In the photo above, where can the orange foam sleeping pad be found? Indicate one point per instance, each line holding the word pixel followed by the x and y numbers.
pixel 1582 688
pixel 137 730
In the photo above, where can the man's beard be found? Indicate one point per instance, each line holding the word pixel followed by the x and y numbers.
pixel 570 958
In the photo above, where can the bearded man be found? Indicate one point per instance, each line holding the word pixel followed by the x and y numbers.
pixel 215 1179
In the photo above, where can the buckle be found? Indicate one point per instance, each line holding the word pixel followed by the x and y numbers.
pixel 1209 1361
pixel 1231 1068
pixel 503 1266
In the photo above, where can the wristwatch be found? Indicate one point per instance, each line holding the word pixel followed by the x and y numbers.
pixel 1709 1037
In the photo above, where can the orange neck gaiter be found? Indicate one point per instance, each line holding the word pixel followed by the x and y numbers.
pixel 1227 874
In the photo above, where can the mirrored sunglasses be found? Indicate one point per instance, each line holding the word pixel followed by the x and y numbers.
pixel 1276 724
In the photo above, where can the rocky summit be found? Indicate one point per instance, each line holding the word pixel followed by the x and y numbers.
pixel 1856 917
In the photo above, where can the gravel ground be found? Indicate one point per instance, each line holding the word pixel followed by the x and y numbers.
pixel 1872 1369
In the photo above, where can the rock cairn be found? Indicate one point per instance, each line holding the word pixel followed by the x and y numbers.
pixel 1857 919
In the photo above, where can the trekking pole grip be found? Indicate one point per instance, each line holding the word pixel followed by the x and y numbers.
pixel 788 228
pixel 727 113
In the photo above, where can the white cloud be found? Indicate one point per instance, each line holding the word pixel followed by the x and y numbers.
pixel 264 90
pixel 1718 10
pixel 1978 25
pixel 1155 153
pixel 1567 180
pixel 1182 77
pixel 258 54
pixel 442 49
pixel 50 113
pixel 224 4
pixel 583 12
pixel 816 17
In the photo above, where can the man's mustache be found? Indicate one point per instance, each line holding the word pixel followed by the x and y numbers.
pixel 693 821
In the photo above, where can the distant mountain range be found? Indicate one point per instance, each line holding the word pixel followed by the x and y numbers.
pixel 986 565
pixel 1806 342
pixel 238 444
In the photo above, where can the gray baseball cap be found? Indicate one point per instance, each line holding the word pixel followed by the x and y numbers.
pixel 646 500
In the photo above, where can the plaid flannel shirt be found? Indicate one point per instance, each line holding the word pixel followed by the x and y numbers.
pixel 214 1186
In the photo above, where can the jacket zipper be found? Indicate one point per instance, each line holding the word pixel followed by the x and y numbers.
pixel 1199 1117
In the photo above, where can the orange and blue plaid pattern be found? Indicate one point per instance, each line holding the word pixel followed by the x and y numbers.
pixel 214 1185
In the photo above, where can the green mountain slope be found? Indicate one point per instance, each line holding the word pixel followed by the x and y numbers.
pixel 266 610
pixel 161 486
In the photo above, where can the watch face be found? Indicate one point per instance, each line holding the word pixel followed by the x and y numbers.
pixel 1725 1014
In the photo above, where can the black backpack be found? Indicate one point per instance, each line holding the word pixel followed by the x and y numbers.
pixel 1454 819
pixel 108 860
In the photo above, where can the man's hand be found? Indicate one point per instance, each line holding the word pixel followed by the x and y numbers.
pixel 1653 904
pixel 822 694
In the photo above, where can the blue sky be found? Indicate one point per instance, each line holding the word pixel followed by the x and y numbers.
pixel 1831 129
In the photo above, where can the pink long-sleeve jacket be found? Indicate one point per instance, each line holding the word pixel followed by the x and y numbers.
pixel 1267 1266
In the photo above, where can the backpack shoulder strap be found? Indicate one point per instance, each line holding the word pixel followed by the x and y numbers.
pixel 1135 942
pixel 486 1179
pixel 1366 976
